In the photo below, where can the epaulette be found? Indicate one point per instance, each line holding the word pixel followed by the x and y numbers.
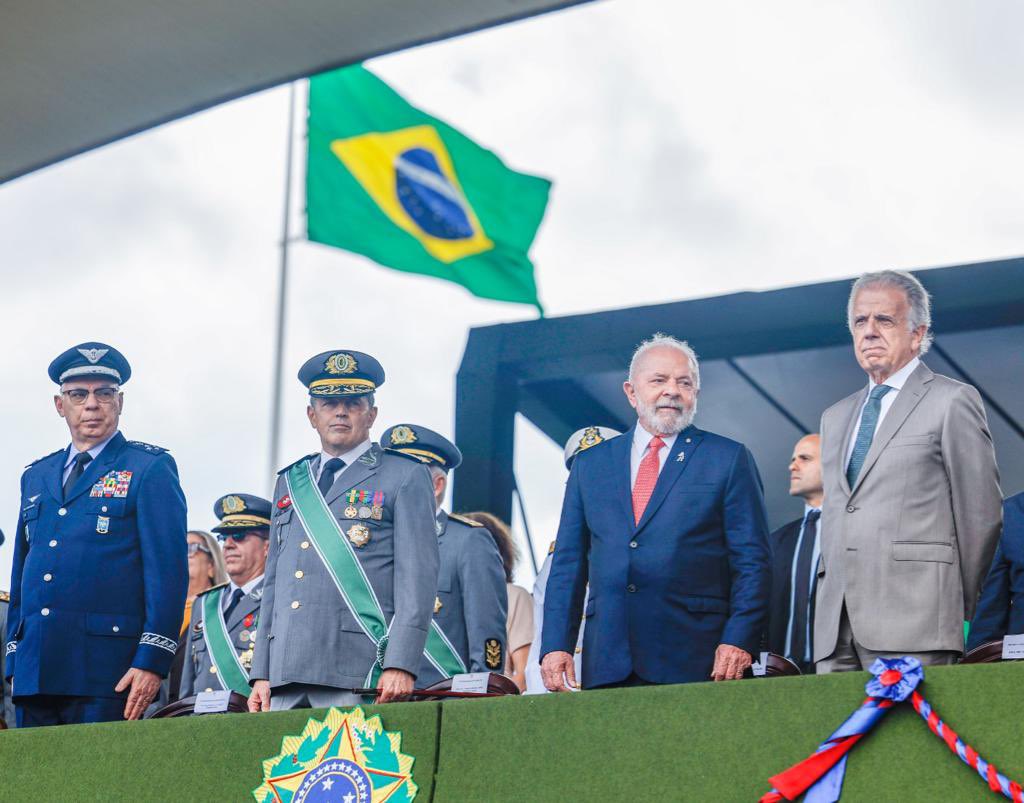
pixel 212 588
pixel 147 447
pixel 5 596
pixel 464 520
pixel 306 457
pixel 44 457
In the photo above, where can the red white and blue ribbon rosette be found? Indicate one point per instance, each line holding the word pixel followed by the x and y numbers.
pixel 894 680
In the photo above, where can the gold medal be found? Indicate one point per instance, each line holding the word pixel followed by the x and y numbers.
pixel 351 512
pixel 364 512
pixel 359 535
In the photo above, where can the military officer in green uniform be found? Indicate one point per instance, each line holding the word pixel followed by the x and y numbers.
pixel 225 618
pixel 471 607
pixel 352 569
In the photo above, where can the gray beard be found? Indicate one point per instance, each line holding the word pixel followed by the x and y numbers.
pixel 647 413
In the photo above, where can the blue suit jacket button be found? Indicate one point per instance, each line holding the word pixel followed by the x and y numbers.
pixel 633 545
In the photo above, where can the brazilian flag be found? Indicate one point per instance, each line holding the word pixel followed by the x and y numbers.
pixel 386 180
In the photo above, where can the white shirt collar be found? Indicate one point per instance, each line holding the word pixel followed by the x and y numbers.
pixel 350 456
pixel 808 508
pixel 642 439
pixel 248 587
pixel 94 452
pixel 898 379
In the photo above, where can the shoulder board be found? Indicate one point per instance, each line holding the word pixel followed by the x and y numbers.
pixel 5 596
pixel 147 447
pixel 213 588
pixel 44 457
pixel 306 457
pixel 464 520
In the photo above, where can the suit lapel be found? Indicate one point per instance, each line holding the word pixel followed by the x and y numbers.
pixel 55 476
pixel 914 389
pixel 350 476
pixel 852 415
pixel 98 467
pixel 620 451
pixel 679 458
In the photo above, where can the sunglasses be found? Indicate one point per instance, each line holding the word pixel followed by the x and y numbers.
pixel 238 537
pixel 194 548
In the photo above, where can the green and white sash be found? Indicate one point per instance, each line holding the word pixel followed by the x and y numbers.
pixel 230 672
pixel 339 558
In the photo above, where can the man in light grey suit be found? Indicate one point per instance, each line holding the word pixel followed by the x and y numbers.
pixel 243 532
pixel 912 508
pixel 352 568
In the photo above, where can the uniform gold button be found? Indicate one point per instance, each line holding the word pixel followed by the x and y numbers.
pixel 209 689
pixel 53 542
pixel 295 605
pixel 62 512
pixel 213 670
pixel 47 577
pixel 579 650
pixel 304 545
pixel 298 574
pixel 45 612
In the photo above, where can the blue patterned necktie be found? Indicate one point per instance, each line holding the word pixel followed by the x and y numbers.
pixel 868 422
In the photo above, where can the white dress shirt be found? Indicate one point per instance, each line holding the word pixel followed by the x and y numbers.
pixel 641 440
pixel 349 457
pixel 73 453
pixel 246 590
pixel 896 382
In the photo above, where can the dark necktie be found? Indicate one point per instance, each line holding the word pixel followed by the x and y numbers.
pixel 236 597
pixel 327 474
pixel 799 638
pixel 77 470
pixel 865 433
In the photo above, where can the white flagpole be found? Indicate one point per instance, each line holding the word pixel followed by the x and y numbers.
pixel 282 293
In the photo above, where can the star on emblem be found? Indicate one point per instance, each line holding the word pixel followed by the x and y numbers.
pixel 327 784
pixel 349 798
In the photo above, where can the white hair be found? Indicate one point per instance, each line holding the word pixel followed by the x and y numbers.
pixel 917 298
pixel 658 340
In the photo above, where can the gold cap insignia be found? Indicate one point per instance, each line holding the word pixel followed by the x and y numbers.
pixel 232 504
pixel 402 434
pixel 492 653
pixel 340 364
pixel 591 437
pixel 359 535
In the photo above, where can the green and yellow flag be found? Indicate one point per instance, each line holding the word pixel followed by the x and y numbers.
pixel 386 180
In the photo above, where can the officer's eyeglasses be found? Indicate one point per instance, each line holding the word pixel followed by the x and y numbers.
pixel 237 537
pixel 194 548
pixel 105 396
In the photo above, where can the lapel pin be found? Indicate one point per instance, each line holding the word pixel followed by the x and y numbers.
pixel 681 457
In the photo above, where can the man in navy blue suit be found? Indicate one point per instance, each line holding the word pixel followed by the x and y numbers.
pixel 100 566
pixel 1001 606
pixel 667 523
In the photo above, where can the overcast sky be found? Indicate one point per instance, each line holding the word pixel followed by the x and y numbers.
pixel 695 149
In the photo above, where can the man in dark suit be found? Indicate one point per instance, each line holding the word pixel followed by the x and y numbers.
pixel 667 522
pixel 795 549
pixel 1001 607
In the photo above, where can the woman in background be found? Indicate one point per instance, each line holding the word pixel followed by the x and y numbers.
pixel 520 604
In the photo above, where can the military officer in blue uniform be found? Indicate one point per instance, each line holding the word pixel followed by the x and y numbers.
pixel 100 571
pixel 471 606
pixel 352 568
pixel 244 533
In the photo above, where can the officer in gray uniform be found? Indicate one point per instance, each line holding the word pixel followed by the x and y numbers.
pixel 471 606
pixel 352 569
pixel 244 533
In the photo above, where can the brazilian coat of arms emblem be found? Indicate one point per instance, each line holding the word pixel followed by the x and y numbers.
pixel 347 758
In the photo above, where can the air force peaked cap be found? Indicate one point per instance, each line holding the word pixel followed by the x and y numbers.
pixel 90 359
pixel 423 444
pixel 583 439
pixel 241 512
pixel 341 373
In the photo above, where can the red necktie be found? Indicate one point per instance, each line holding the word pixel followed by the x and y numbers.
pixel 646 478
